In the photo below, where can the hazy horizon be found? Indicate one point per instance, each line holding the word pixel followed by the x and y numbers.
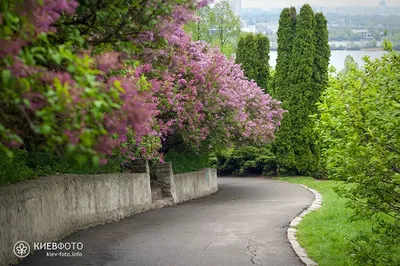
pixel 327 3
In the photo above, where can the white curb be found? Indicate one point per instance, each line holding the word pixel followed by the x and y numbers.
pixel 291 232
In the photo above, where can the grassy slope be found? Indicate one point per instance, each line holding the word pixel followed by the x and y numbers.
pixel 325 233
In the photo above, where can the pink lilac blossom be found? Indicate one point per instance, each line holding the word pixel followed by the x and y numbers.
pixel 205 92
pixel 195 90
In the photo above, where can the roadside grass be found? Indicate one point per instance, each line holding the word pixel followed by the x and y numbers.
pixel 326 233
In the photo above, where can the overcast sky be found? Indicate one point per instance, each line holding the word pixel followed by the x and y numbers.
pixel 328 3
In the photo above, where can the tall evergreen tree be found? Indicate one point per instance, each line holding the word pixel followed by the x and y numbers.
pixel 286 33
pixel 296 143
pixel 320 77
pixel 321 58
pixel 302 83
pixel 253 55
pixel 263 47
pixel 247 56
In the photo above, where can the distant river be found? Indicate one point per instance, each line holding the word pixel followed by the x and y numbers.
pixel 338 57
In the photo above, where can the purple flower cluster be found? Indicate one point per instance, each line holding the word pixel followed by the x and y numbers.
pixel 194 90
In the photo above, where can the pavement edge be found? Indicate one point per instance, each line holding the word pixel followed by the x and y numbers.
pixel 291 232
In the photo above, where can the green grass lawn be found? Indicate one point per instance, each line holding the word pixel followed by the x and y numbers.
pixel 325 233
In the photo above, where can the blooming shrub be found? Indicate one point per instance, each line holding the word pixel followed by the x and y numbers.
pixel 93 80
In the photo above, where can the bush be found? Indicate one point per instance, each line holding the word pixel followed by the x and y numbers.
pixel 246 160
pixel 359 125
pixel 184 159
pixel 15 169
pixel 31 164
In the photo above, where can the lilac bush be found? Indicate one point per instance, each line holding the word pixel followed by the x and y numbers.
pixel 95 99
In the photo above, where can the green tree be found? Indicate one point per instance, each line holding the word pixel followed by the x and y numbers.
pixel 263 46
pixel 320 74
pixel 349 62
pixel 247 55
pixel 200 29
pixel 296 151
pixel 225 24
pixel 359 127
pixel 282 91
pixel 253 54
pixel 286 34
pixel 321 57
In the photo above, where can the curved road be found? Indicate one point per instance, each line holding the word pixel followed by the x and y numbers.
pixel 244 223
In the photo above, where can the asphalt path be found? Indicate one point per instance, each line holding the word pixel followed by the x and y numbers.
pixel 244 223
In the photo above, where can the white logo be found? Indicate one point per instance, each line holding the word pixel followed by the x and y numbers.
pixel 21 249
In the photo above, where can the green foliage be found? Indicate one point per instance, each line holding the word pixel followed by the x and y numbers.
pixel 320 79
pixel 47 163
pixel 301 76
pixel 247 55
pixel 56 88
pixel 14 169
pixel 321 57
pixel 359 128
pixel 218 26
pixel 186 159
pixel 226 24
pixel 349 63
pixel 110 25
pixel 301 105
pixel 253 55
pixel 26 165
pixel 200 29
pixel 286 35
pixel 246 160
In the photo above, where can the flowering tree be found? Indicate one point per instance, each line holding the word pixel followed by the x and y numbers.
pixel 119 78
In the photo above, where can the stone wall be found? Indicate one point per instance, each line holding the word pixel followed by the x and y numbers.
pixel 195 185
pixel 52 207
pixel 183 187
pixel 49 208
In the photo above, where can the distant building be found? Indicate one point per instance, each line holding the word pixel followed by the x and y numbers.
pixel 367 35
pixel 359 31
pixel 263 28
pixel 250 29
pixel 236 5
pixel 382 7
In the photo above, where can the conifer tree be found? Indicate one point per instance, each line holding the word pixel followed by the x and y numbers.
pixel 321 58
pixel 301 76
pixel 296 143
pixel 303 90
pixel 247 56
pixel 286 33
pixel 253 55
pixel 320 77
pixel 263 47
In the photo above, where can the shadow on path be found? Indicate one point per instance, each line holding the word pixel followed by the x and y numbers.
pixel 244 223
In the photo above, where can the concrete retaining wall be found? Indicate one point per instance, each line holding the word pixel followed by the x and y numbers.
pixel 49 208
pixel 52 207
pixel 196 184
